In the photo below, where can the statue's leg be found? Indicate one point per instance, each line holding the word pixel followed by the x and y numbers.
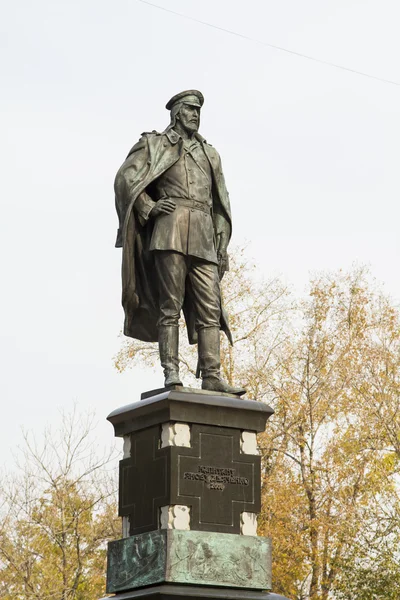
pixel 168 345
pixel 171 270
pixel 207 299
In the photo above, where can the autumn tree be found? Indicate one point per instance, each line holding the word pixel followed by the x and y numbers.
pixel 57 513
pixel 329 365
pixel 322 442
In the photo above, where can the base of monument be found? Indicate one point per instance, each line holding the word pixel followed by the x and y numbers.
pixel 186 592
pixel 188 390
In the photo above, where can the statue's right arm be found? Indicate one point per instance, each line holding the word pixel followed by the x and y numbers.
pixel 129 178
pixel 143 207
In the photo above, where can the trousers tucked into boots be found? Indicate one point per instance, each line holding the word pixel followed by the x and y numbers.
pixel 168 343
pixel 209 352
pixel 210 362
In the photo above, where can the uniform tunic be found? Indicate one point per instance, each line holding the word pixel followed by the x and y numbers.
pixel 183 241
pixel 189 228
pixel 152 292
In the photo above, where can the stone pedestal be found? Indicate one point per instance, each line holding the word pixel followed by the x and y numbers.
pixel 189 494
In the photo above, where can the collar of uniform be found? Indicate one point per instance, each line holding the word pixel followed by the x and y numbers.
pixel 175 137
pixel 172 136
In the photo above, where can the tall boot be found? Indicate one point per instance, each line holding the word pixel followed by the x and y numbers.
pixel 168 344
pixel 210 362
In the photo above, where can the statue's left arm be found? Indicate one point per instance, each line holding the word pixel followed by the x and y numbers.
pixel 221 214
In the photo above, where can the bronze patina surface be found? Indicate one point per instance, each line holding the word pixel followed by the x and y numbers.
pixel 175 226
pixel 191 557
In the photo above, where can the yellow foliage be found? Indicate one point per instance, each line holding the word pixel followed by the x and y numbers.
pixel 329 365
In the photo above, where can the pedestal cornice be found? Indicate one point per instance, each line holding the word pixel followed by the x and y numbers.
pixel 190 406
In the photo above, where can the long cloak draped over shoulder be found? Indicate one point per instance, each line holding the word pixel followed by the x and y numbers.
pixel 147 160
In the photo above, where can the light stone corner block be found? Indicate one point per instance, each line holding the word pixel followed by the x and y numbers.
pixel 248 523
pixel 175 516
pixel 127 446
pixel 126 525
pixel 175 434
pixel 248 443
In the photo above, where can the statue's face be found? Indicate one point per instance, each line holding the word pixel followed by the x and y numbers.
pixel 189 117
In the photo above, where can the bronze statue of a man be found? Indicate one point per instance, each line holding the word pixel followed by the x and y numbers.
pixel 175 226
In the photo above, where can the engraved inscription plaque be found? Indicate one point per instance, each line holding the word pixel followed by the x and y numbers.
pixel 216 478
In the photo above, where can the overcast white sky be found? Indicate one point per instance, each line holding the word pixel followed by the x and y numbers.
pixel 310 153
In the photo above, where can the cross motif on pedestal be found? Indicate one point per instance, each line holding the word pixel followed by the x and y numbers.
pixel 212 477
pixel 144 482
pixel 215 479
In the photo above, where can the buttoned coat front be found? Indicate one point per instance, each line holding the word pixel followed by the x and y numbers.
pixel 148 160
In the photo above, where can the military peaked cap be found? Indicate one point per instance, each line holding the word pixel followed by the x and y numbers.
pixel 192 97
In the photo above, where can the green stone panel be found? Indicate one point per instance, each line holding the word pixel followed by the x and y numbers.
pixel 200 557
pixel 191 557
pixel 136 561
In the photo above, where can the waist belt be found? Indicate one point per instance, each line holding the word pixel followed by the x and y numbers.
pixel 194 204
